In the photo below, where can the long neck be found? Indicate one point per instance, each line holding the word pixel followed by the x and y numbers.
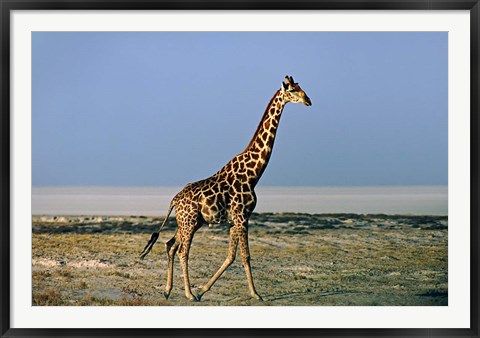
pixel 260 147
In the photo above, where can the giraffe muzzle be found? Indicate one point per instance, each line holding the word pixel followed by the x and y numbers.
pixel 307 101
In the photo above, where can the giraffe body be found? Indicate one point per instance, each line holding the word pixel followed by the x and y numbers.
pixel 227 197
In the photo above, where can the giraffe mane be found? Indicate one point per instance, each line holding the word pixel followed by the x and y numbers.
pixel 261 120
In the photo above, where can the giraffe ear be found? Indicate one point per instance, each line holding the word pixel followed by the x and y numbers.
pixel 285 86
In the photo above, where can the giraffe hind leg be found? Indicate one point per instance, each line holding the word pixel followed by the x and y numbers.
pixel 183 256
pixel 171 248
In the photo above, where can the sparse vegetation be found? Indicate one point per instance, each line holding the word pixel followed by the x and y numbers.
pixel 318 260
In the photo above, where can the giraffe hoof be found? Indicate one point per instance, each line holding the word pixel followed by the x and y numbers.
pixel 258 297
pixel 193 298
pixel 166 294
pixel 199 296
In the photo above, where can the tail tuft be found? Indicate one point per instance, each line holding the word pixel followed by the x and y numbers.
pixel 149 245
pixel 155 235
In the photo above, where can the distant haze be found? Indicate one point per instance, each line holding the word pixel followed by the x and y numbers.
pixel 165 109
pixel 406 200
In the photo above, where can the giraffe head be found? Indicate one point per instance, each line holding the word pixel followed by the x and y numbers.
pixel 293 93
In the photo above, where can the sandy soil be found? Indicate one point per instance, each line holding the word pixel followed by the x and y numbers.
pixel 297 259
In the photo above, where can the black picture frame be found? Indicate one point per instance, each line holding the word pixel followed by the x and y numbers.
pixel 7 6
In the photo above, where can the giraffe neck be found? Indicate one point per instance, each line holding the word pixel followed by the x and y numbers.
pixel 260 147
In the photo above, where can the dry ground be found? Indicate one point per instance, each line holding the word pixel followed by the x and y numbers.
pixel 359 260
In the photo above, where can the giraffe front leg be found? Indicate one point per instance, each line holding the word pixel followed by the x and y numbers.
pixel 232 251
pixel 245 253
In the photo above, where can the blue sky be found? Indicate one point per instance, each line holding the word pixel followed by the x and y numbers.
pixel 157 108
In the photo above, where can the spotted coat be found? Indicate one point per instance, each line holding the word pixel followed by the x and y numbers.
pixel 227 197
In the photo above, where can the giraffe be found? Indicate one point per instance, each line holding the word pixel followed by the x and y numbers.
pixel 226 197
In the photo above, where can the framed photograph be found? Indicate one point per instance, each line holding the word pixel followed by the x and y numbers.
pixel 240 168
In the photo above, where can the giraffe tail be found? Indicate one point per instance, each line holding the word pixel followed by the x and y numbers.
pixel 155 235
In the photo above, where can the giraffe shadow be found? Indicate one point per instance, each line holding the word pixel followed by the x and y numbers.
pixel 305 293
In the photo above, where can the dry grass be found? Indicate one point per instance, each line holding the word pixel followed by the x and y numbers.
pixel 360 266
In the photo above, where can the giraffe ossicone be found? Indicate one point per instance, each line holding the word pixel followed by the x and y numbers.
pixel 226 197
